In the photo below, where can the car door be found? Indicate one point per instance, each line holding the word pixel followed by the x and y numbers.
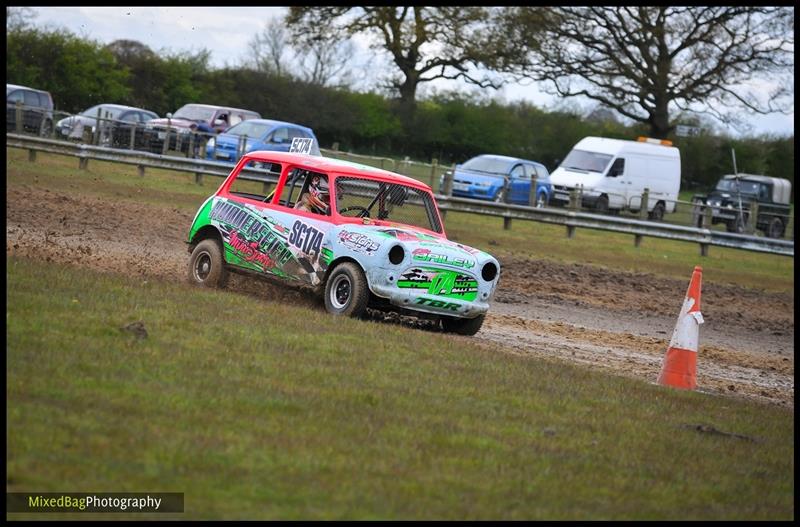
pixel 519 184
pixel 617 184
pixel 11 109
pixel 279 139
pixel 31 112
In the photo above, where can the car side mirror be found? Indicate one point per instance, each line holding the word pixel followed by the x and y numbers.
pixel 169 115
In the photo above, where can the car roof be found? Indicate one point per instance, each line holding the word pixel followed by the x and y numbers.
pixel 329 164
pixel 510 159
pixel 219 106
pixel 122 107
pixel 20 87
pixel 273 122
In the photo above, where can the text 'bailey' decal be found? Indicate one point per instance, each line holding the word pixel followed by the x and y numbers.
pixel 426 255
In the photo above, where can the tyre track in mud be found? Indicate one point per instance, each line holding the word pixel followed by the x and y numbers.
pixel 618 322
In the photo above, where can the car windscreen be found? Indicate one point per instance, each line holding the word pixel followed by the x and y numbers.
pixel 194 113
pixel 586 161
pixel 249 129
pixel 395 202
pixel 487 164
pixel 745 187
pixel 106 112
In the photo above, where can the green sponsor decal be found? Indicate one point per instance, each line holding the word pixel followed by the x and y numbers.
pixel 439 282
pixel 326 256
pixel 439 304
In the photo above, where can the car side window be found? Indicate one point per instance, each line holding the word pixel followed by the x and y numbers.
pixel 518 172
pixel 296 132
pixel 31 99
pixel 44 100
pixel 130 117
pixel 281 135
pixel 618 168
pixel 15 96
pixel 236 119
pixel 541 172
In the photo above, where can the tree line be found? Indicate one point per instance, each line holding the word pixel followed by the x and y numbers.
pixel 448 126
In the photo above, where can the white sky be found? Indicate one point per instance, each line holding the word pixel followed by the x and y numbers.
pixel 226 31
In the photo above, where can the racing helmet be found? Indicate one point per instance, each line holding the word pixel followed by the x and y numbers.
pixel 319 197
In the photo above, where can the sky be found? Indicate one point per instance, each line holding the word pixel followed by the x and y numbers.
pixel 227 31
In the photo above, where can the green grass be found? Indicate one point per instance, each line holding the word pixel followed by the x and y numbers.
pixel 531 239
pixel 264 410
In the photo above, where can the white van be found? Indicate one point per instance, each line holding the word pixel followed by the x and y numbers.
pixel 613 174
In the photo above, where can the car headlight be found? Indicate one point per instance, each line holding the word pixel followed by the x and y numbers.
pixel 397 254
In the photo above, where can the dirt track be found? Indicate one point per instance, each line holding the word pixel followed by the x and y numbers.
pixel 620 322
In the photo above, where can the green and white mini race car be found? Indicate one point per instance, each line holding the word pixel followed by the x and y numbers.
pixel 365 237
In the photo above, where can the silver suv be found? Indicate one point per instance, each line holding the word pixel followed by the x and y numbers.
pixel 35 109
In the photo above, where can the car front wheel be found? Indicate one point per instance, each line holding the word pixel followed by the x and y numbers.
pixel 346 291
pixel 463 326
pixel 207 265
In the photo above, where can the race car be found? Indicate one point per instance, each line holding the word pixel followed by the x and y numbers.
pixel 361 236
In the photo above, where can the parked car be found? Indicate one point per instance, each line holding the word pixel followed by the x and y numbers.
pixel 362 236
pixel 256 134
pixel 184 122
pixel 116 122
pixel 36 107
pixel 612 175
pixel 732 199
pixel 502 179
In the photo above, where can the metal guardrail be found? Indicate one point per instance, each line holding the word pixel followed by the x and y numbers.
pixel 569 218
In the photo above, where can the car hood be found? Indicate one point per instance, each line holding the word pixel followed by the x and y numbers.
pixel 74 120
pixel 421 248
pixel 483 178
pixel 571 178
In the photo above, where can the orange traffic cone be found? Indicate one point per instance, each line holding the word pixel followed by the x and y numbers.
pixel 680 363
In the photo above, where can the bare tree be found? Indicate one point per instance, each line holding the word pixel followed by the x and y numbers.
pixel 425 43
pixel 19 18
pixel 267 50
pixel 647 62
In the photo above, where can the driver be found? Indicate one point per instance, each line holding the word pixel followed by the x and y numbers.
pixel 317 199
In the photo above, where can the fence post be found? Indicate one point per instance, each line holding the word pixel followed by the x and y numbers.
pixel 752 218
pixel 705 223
pixel 506 223
pixel 532 191
pixel 434 165
pixel 643 206
pixel 574 203
pixel 165 146
pixel 140 169
pixel 83 161
pixel 190 151
pixel 335 146
pixel 198 178
pixel 133 137
pixel 18 116
pixel 32 155
pixel 96 132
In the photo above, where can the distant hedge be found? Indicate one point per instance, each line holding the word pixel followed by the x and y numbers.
pixel 450 127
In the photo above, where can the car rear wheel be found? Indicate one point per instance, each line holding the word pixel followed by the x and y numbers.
pixel 775 229
pixel 657 214
pixel 541 200
pixel 207 265
pixel 346 291
pixel 463 326
pixel 601 205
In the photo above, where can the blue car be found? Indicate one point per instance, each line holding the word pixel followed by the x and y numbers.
pixel 502 179
pixel 257 134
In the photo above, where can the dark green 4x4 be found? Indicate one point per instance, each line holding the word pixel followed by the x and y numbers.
pixel 737 198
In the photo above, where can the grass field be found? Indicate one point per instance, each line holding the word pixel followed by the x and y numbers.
pixel 536 240
pixel 255 411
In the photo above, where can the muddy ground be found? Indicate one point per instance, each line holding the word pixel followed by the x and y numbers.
pixel 616 321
